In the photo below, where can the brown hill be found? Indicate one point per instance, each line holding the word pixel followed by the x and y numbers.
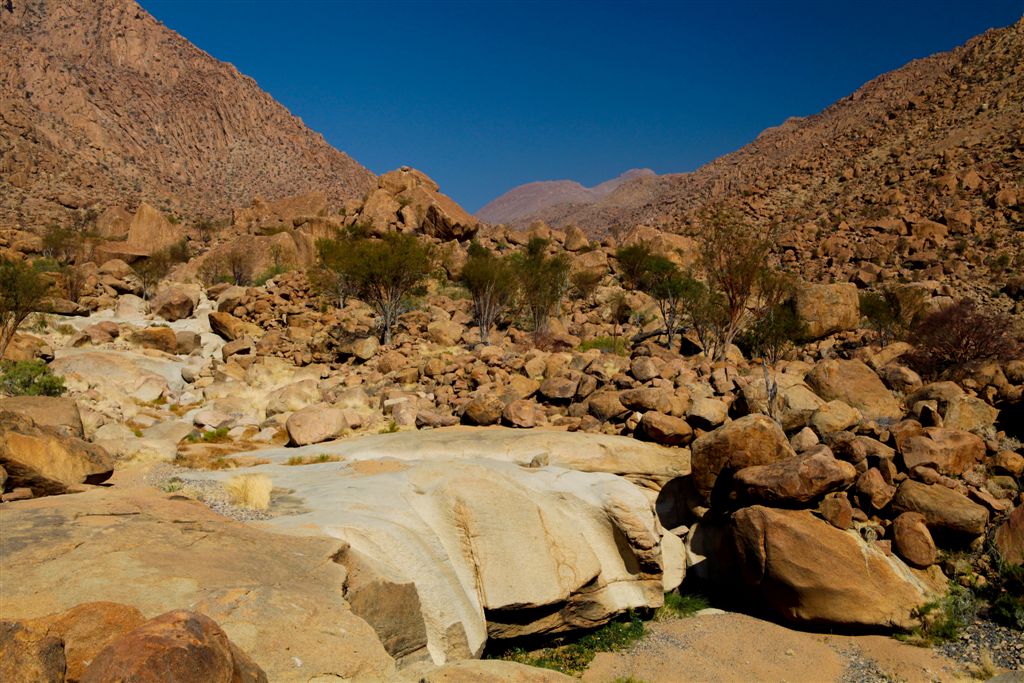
pixel 101 104
pixel 923 165
pixel 520 204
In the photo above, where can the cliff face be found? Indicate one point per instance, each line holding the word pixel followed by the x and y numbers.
pixel 100 104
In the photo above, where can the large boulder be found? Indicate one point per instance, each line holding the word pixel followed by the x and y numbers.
pixel 855 384
pixel 316 423
pixel 229 328
pixel 950 451
pixel 175 301
pixel 795 481
pixel 807 571
pixel 277 597
pixel 944 509
pixel 912 541
pixel 60 413
pixel 43 459
pixel 184 646
pixel 826 309
pixel 462 550
pixel 751 440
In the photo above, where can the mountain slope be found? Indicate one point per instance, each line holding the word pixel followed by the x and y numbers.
pixel 520 203
pixel 102 104
pixel 882 150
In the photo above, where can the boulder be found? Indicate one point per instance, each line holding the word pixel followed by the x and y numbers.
pixel 834 416
pixel 793 405
pixel 158 338
pixel 969 413
pixel 483 410
pixel 43 459
pixel 293 397
pixel 316 423
pixel 943 509
pixel 1009 537
pixel 58 413
pixel 184 646
pixel 605 405
pixel 229 328
pixel 481 671
pixel 950 451
pixel 707 413
pixel 175 302
pixel 807 571
pixel 912 541
pixel 751 440
pixel 828 308
pixel 664 429
pixel 795 481
pixel 854 383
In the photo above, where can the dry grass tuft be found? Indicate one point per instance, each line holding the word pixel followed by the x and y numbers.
pixel 250 491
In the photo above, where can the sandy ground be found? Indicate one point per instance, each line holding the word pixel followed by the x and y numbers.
pixel 726 647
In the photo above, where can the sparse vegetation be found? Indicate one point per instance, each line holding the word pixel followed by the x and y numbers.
pixel 218 435
pixel 574 656
pixel 491 282
pixel 543 282
pixel 960 334
pixel 22 292
pixel 297 460
pixel 615 345
pixel 250 491
pixel 383 273
pixel 944 619
pixel 882 314
pixel 156 267
pixel 29 378
pixel 680 605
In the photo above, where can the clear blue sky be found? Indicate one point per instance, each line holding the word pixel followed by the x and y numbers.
pixel 483 96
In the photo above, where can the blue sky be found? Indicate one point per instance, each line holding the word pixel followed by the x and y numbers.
pixel 483 96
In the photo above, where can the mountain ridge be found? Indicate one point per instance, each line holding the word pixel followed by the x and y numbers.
pixel 101 105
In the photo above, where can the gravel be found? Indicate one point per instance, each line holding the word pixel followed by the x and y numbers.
pixel 861 669
pixel 1005 645
pixel 177 480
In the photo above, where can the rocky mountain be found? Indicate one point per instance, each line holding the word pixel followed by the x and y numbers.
pixel 520 204
pixel 936 142
pixel 101 104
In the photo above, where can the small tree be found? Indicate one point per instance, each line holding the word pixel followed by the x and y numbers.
pixel 238 260
pixel 153 269
pixel 669 287
pixel 491 281
pixel 634 264
pixel 544 281
pixel 383 272
pixel 734 257
pixel 22 292
pixel 707 313
pixel 883 313
pixel 618 311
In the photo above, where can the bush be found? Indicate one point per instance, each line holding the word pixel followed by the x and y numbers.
pixel 543 282
pixel 22 292
pixel 614 345
pixel 774 333
pixel 882 312
pixel 491 282
pixel 680 605
pixel 29 378
pixel 156 267
pixel 670 288
pixel 250 491
pixel 961 334
pixel 380 272
pixel 585 282
pixel 944 619
pixel 634 262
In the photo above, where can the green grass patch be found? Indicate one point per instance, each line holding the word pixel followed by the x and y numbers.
pixel 574 657
pixel 680 606
pixel 296 460
pixel 944 619
pixel 210 436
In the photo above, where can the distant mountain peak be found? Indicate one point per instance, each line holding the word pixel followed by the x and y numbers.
pixel 523 201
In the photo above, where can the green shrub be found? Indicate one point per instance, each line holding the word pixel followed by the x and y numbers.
pixel 773 334
pixel 29 378
pixel 679 605
pixel 491 281
pixel 944 619
pixel 543 282
pixel 881 312
pixel 268 274
pixel 22 292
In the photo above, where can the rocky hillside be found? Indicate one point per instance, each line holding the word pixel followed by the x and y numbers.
pixel 101 104
pixel 934 147
pixel 520 204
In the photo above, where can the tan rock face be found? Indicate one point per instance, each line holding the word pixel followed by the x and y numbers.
pixel 942 508
pixel 750 440
pixel 47 462
pixel 187 645
pixel 808 571
pixel 826 309
pixel 316 423
pixel 856 385
pixel 158 553
pixel 1009 537
pixel 175 302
